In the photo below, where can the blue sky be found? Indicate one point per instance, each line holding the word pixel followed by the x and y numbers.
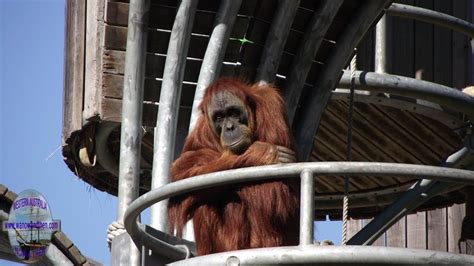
pixel 31 95
pixel 31 76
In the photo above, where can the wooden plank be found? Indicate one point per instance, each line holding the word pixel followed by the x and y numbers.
pixel 442 40
pixel 93 58
pixel 162 17
pixel 115 39
pixel 416 230
pixel 73 68
pixel 379 136
pixel 456 214
pixel 397 234
pixel 418 131
pixel 402 49
pixel 397 134
pixel 113 87
pixel 329 137
pixel 462 63
pixel 112 111
pixel 353 226
pixel 424 46
pixel 366 52
pixel 362 143
pixel 7 195
pixel 437 229
pixel 451 138
pixel 62 241
pixel 114 63
pixel 335 155
pixel 76 256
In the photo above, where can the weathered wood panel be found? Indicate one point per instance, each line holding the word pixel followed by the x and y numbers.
pixel 402 48
pixel 396 234
pixel 437 229
pixel 73 67
pixel 424 46
pixel 442 45
pixel 456 214
pixel 93 58
pixel 462 64
pixel 432 53
pixel 353 226
pixel 416 230
pixel 374 138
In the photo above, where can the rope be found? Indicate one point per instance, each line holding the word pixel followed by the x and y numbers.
pixel 345 203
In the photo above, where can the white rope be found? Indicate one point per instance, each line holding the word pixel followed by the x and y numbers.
pixel 345 203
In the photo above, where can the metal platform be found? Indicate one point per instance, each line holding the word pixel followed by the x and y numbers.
pixel 331 255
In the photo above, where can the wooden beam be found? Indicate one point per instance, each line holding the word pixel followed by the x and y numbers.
pixel 301 64
pixel 312 109
pixel 93 58
pixel 73 67
pixel 276 40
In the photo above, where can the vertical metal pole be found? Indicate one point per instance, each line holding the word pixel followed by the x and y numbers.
pixel 306 208
pixel 380 45
pixel 212 62
pixel 131 132
pixel 167 119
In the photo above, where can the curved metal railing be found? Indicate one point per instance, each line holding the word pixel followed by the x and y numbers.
pixel 306 253
pixel 305 170
pixel 433 17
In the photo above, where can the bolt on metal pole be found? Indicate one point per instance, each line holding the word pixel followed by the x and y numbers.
pixel 306 207
pixel 131 131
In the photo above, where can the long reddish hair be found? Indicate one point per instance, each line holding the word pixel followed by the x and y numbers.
pixel 261 101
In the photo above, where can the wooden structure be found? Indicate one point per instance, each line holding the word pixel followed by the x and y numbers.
pixel 320 41
pixel 421 50
pixel 61 250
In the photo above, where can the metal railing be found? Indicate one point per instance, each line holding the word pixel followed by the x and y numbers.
pixel 307 171
pixel 278 171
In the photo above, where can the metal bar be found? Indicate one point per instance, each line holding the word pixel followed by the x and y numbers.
pixel 306 208
pixel 168 110
pixel 276 40
pixel 131 132
pixel 331 255
pixel 433 17
pixel 318 97
pixel 212 62
pixel 381 45
pixel 270 172
pixel 301 64
pixel 420 89
pixel 418 194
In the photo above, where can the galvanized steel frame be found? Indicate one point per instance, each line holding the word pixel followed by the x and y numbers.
pixel 330 255
pixel 272 172
pixel 131 130
pixel 368 81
